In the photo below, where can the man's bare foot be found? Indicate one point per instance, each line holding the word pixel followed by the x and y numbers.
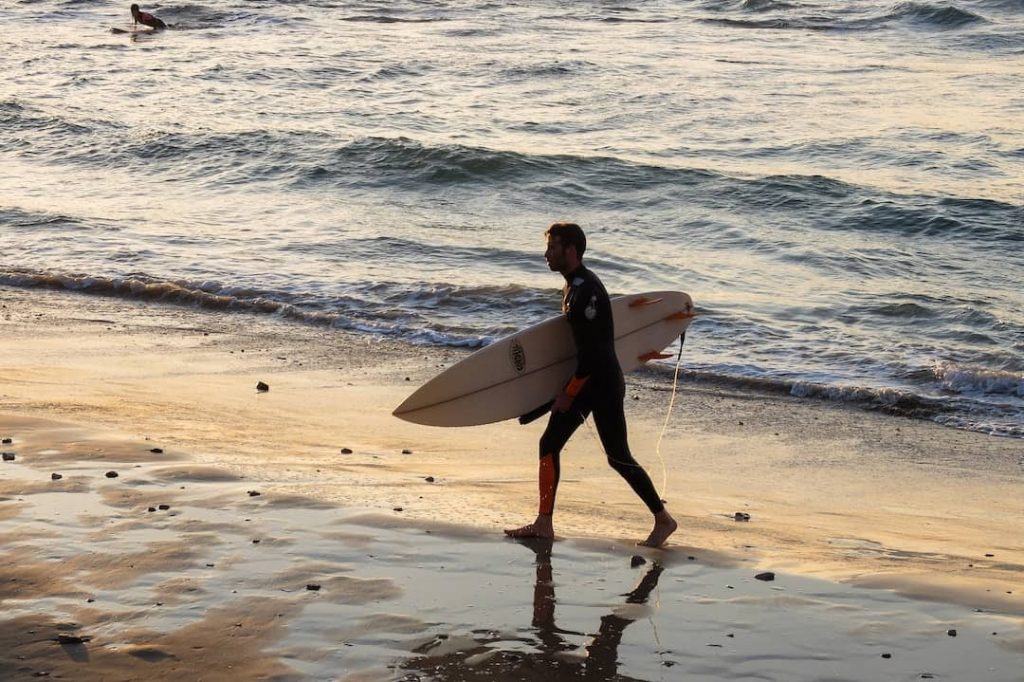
pixel 664 526
pixel 541 528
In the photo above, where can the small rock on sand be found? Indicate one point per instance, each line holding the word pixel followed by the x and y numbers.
pixel 951 632
pixel 8 456
pixel 254 493
pixel 164 507
pixel 741 516
pixel 313 587
pixel 262 387
pixel 157 451
pixel 56 477
pixel 7 441
pixel 152 509
pixel 767 576
pixel 398 509
pixel 111 474
pixel 429 479
pixel 346 451
pixel 407 452
pixel 636 560
pixel 71 639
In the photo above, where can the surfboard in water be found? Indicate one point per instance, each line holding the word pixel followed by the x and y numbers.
pixel 522 372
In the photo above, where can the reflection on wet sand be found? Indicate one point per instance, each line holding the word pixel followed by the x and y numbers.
pixel 549 654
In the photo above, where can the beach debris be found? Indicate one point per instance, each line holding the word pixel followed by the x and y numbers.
pixel 741 516
pixel 71 639
pixel 56 477
pixel 8 456
pixel 7 441
pixel 254 493
pixel 927 676
pixel 111 474
pixel 152 509
pixel 255 541
pixel 346 451
pixel 313 587
pixel 886 655
pixel 951 632
pixel 767 576
pixel 398 509
pixel 262 387
pixel 429 479
pixel 636 560
pixel 163 507
pixel 407 451
pixel 157 451
pixel 990 555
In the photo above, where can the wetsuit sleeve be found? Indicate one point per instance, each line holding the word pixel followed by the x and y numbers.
pixel 582 311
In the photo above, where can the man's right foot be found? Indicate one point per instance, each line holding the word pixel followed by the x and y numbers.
pixel 541 528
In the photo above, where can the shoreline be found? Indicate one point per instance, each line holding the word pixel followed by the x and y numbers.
pixel 833 493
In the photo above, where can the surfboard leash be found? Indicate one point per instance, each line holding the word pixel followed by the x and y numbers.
pixel 668 416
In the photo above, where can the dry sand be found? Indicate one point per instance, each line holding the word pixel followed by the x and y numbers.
pixel 415 580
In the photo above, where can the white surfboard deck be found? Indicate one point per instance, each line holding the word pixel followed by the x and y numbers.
pixel 520 372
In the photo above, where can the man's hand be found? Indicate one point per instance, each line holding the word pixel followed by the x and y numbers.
pixel 563 401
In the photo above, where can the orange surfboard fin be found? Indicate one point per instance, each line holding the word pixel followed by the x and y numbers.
pixel 653 355
pixel 681 315
pixel 643 300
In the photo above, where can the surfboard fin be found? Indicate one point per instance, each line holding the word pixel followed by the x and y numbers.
pixel 536 413
pixel 681 315
pixel 653 355
pixel 642 301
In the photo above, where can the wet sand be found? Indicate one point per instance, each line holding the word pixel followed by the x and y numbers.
pixel 885 535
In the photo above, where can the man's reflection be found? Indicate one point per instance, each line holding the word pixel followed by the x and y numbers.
pixel 555 658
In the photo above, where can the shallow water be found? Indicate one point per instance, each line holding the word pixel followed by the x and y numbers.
pixel 837 184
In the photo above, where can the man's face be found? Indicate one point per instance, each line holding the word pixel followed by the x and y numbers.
pixel 555 254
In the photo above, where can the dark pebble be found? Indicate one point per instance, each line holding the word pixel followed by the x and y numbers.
pixel 210 565
pixel 767 576
pixel 111 474
pixel 398 508
pixel 406 452
pixel 990 555
pixel 886 655
pixel 260 386
pixel 951 632
pixel 55 477
pixel 7 441
pixel 90 600
pixel 8 456
pixel 346 451
pixel 691 558
pixel 157 451
pixel 71 639
pixel 668 664
pixel 741 516
pixel 429 479
pixel 164 507
pixel 927 676
pixel 313 587
pixel 152 509
pixel 254 493
pixel 637 560
pixel 256 541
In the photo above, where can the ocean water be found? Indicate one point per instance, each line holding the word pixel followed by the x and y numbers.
pixel 839 184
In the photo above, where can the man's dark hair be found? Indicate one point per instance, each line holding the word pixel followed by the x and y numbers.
pixel 569 234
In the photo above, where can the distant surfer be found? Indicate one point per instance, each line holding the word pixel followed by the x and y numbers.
pixel 597 387
pixel 146 19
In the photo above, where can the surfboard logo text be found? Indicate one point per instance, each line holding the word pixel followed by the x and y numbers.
pixel 517 355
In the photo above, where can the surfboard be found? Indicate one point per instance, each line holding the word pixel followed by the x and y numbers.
pixel 522 372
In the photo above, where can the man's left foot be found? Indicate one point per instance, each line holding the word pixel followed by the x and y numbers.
pixel 663 528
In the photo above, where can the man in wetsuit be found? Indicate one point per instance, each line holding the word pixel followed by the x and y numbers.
pixel 597 387
pixel 146 19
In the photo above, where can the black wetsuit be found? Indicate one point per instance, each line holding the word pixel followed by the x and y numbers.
pixel 586 305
